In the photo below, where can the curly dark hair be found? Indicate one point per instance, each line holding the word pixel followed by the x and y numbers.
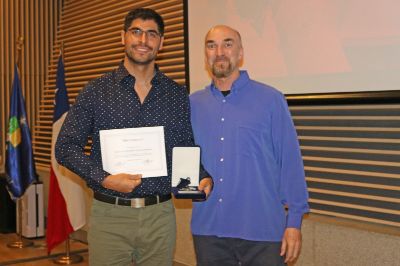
pixel 144 14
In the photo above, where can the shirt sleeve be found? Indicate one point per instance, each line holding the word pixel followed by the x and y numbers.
pixel 73 137
pixel 293 188
pixel 187 132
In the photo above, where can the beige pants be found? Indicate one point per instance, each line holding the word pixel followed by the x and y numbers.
pixel 121 235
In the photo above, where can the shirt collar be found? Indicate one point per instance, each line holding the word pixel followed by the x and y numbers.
pixel 122 73
pixel 239 83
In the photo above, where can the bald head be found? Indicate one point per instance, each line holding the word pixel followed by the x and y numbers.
pixel 224 52
pixel 224 28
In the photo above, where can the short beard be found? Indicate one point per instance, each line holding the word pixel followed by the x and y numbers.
pixel 137 62
pixel 131 58
pixel 222 73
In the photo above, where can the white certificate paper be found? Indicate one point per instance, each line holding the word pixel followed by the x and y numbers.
pixel 134 151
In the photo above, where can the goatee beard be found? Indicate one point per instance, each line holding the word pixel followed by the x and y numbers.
pixel 222 72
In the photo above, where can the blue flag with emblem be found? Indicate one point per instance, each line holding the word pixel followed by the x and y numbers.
pixel 20 166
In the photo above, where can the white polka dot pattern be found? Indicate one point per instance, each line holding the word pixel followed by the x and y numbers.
pixel 110 102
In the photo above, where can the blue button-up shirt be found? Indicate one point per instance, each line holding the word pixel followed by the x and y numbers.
pixel 249 146
pixel 111 102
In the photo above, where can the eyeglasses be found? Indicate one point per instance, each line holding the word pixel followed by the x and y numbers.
pixel 138 33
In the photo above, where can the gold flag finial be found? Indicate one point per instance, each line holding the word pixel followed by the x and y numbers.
pixel 20 44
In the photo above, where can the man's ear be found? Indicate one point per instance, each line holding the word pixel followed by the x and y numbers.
pixel 161 43
pixel 123 37
pixel 241 53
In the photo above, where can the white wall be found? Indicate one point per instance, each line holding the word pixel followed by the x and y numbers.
pixel 306 46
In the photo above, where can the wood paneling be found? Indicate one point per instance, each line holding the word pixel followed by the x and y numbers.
pixel 351 155
pixel 35 22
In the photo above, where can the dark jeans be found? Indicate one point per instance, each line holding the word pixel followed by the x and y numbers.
pixel 223 251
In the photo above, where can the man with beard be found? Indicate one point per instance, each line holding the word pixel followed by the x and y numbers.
pixel 132 219
pixel 249 146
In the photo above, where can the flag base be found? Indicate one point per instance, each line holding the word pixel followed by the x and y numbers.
pixel 20 244
pixel 68 259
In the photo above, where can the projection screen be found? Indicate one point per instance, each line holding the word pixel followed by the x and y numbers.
pixel 308 46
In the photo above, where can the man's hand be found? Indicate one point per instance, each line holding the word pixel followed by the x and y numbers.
pixel 291 244
pixel 206 185
pixel 124 183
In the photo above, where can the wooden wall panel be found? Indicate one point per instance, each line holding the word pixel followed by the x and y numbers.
pixel 35 21
pixel 351 155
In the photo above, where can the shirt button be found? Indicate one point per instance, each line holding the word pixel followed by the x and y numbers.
pixel 223 100
pixel 220 200
pixel 222 159
pixel 222 138
pixel 222 119
pixel 221 179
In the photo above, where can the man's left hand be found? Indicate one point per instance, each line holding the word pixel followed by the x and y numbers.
pixel 206 185
pixel 291 244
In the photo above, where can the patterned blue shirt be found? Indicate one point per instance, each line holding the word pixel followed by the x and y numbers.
pixel 249 146
pixel 110 102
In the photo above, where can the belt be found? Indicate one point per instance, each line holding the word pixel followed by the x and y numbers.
pixel 133 202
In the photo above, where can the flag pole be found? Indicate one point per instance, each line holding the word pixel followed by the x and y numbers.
pixel 20 43
pixel 20 243
pixel 67 258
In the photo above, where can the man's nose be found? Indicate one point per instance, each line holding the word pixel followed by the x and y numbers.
pixel 143 37
pixel 220 50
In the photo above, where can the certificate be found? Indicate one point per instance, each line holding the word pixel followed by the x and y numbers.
pixel 134 151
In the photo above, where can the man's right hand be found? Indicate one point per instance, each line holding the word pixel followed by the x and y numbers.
pixel 124 183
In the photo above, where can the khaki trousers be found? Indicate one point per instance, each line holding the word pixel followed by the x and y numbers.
pixel 121 235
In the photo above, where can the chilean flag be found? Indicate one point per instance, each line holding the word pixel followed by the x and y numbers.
pixel 66 209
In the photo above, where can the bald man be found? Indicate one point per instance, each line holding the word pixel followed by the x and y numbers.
pixel 249 146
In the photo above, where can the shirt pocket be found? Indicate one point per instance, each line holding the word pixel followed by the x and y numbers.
pixel 251 140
